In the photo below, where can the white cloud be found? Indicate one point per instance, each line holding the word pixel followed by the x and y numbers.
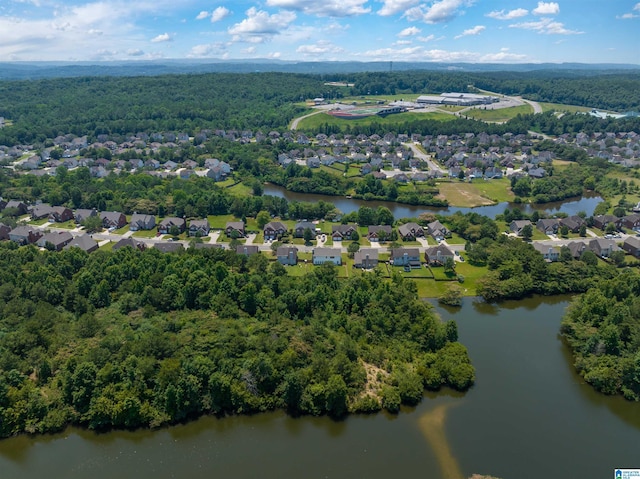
pixel 429 38
pixel 471 31
pixel 439 12
pixel 407 32
pixel 135 52
pixel 208 50
pixel 402 42
pixel 202 15
pixel 219 13
pixel 164 37
pixel 259 26
pixel 320 48
pixel 546 26
pixel 502 57
pixel 510 15
pixel 391 7
pixel 421 54
pixel 629 16
pixel 327 8
pixel 546 8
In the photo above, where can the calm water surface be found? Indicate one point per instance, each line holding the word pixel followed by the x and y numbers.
pixel 529 416
pixel 347 205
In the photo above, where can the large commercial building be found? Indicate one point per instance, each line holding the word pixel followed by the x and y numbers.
pixel 457 99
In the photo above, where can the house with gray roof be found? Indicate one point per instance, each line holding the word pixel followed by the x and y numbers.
pixel 405 257
pixel 327 255
pixel 287 255
pixel 437 255
pixel 142 222
pixel 84 242
pixel 366 258
pixel 56 240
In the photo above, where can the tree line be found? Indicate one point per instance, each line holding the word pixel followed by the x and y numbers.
pixel 130 339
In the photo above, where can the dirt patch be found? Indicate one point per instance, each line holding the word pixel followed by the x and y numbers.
pixel 376 378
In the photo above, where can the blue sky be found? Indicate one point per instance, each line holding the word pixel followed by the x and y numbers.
pixel 479 31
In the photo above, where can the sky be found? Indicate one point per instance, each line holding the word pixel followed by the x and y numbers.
pixel 478 31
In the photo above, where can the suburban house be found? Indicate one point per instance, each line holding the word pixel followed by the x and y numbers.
pixel 168 246
pixel 298 230
pixel 409 257
pixel 84 242
pixel 83 214
pixel 4 231
pixel 113 219
pixel 601 221
pixel 274 230
pixel 602 247
pixel 199 228
pixel 287 255
pixel 57 240
pixel 576 248
pixel 327 255
pixel 516 226
pixel 630 222
pixel 379 232
pixel 632 246
pixel 548 226
pixel 437 230
pixel 237 226
pixel 366 258
pixel 343 232
pixel 131 243
pixel 142 222
pixel 247 249
pixel 573 223
pixel 20 207
pixel 437 255
pixel 410 231
pixel 549 252
pixel 41 211
pixel 25 235
pixel 166 224
pixel 60 214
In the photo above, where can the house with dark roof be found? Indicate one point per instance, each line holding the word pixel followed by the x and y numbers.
pixel 41 211
pixel 274 230
pixel 287 255
pixel 131 243
pixel 343 232
pixel 602 247
pixel 549 252
pixel 602 221
pixel 20 207
pixel 55 240
pixel 379 232
pixel 630 222
pixel 298 230
pixel 237 226
pixel 410 231
pixel 25 235
pixel 199 228
pixel 437 255
pixel 405 257
pixel 142 222
pixel 548 226
pixel 516 226
pixel 4 231
pixel 82 214
pixel 573 223
pixel 113 219
pixel 84 242
pixel 632 246
pixel 366 258
pixel 169 222
pixel 327 255
pixel 437 230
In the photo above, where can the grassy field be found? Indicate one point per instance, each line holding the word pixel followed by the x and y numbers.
pixel 317 121
pixel 563 108
pixel 498 115
pixel 459 193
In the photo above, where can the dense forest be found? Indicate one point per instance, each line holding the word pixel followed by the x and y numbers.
pixel 134 339
pixel 46 108
pixel 602 328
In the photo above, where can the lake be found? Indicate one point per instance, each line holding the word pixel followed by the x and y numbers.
pixel 528 416
pixel 347 205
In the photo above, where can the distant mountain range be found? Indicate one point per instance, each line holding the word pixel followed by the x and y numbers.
pixel 35 70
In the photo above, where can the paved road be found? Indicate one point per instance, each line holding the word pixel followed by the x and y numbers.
pixel 418 153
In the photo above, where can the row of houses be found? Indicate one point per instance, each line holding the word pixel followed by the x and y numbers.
pixel 24 235
pixel 601 247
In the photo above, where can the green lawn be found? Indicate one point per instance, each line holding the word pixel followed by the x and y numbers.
pixel 39 222
pixel 563 108
pixel 497 190
pixel 321 119
pixel 218 222
pixel 71 224
pixel 145 233
pixel 456 239
pixel 498 115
